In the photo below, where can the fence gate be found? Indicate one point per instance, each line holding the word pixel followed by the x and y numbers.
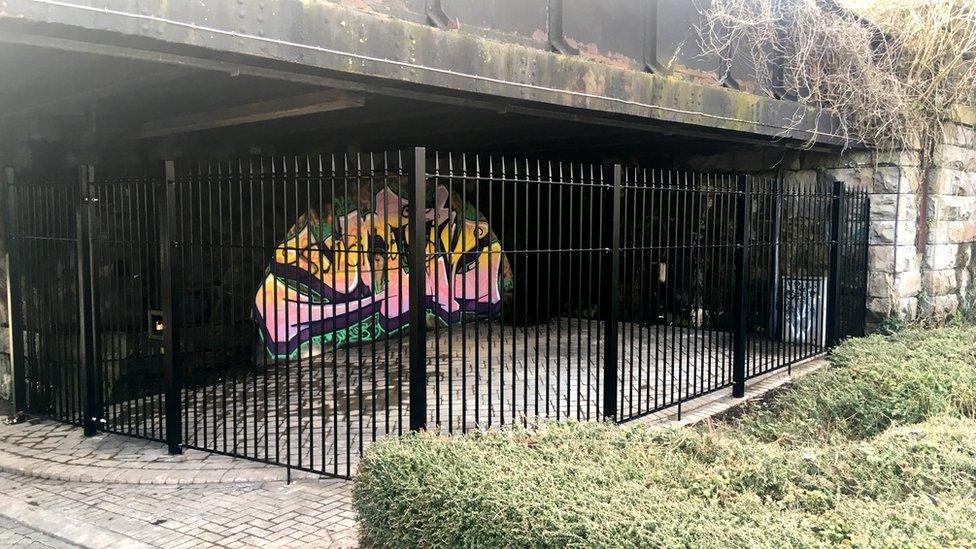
pixel 47 350
pixel 122 233
pixel 294 310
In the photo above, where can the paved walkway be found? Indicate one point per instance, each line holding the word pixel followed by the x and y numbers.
pixel 319 412
pixel 15 534
pixel 60 489
pixel 48 449
pixel 301 514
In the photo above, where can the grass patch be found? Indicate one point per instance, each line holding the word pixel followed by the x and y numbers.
pixel 877 450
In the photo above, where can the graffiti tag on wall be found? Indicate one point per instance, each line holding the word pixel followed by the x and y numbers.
pixel 344 277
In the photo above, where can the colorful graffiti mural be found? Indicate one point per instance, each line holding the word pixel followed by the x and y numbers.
pixel 343 277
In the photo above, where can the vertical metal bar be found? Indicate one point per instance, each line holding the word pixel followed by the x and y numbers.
pixel 657 240
pixel 566 188
pixel 539 256
pixel 557 38
pixel 592 390
pixel 417 172
pixel 493 315
pixel 775 237
pixel 102 367
pixel 549 301
pixel 670 296
pixel 626 370
pixel 681 286
pixel 600 235
pixel 168 271
pixel 515 299
pixel 650 53
pixel 87 344
pixel 642 279
pixel 333 176
pixel 789 269
pixel 833 265
pixel 525 300
pixel 863 221
pixel 464 291
pixel 436 179
pixel 323 406
pixel 289 252
pixel 741 286
pixel 613 311
pixel 581 246
pixel 9 195
pixel 477 324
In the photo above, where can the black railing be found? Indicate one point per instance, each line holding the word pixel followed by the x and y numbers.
pixel 46 346
pixel 293 310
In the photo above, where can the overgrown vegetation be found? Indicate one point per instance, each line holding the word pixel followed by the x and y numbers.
pixel 891 72
pixel 878 450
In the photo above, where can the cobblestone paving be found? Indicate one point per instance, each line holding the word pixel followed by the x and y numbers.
pixel 319 412
pixel 56 450
pixel 303 514
pixel 14 534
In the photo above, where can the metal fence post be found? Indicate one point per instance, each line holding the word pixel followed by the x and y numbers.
pixel 15 318
pixel 834 269
pixel 86 327
pixel 613 311
pixel 169 270
pixel 416 170
pixel 774 266
pixel 741 296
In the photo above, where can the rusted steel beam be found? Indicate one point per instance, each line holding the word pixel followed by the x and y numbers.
pixel 557 38
pixel 355 50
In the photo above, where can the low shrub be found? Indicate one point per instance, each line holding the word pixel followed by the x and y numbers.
pixel 759 480
pixel 874 382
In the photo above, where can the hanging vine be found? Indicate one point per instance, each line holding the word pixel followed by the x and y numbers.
pixel 890 73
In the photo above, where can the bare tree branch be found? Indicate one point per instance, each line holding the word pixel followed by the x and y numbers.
pixel 891 78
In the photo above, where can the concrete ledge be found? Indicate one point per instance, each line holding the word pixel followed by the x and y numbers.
pixel 50 450
pixel 702 408
pixel 39 468
pixel 64 528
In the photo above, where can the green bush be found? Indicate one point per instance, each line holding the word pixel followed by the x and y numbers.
pixel 875 382
pixel 868 472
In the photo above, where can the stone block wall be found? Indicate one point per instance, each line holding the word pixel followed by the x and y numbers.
pixel 894 279
pixel 948 265
pixel 893 182
pixel 910 276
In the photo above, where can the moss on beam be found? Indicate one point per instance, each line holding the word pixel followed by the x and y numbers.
pixel 324 35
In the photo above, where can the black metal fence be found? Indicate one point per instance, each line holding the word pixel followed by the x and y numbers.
pixel 46 342
pixel 272 308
